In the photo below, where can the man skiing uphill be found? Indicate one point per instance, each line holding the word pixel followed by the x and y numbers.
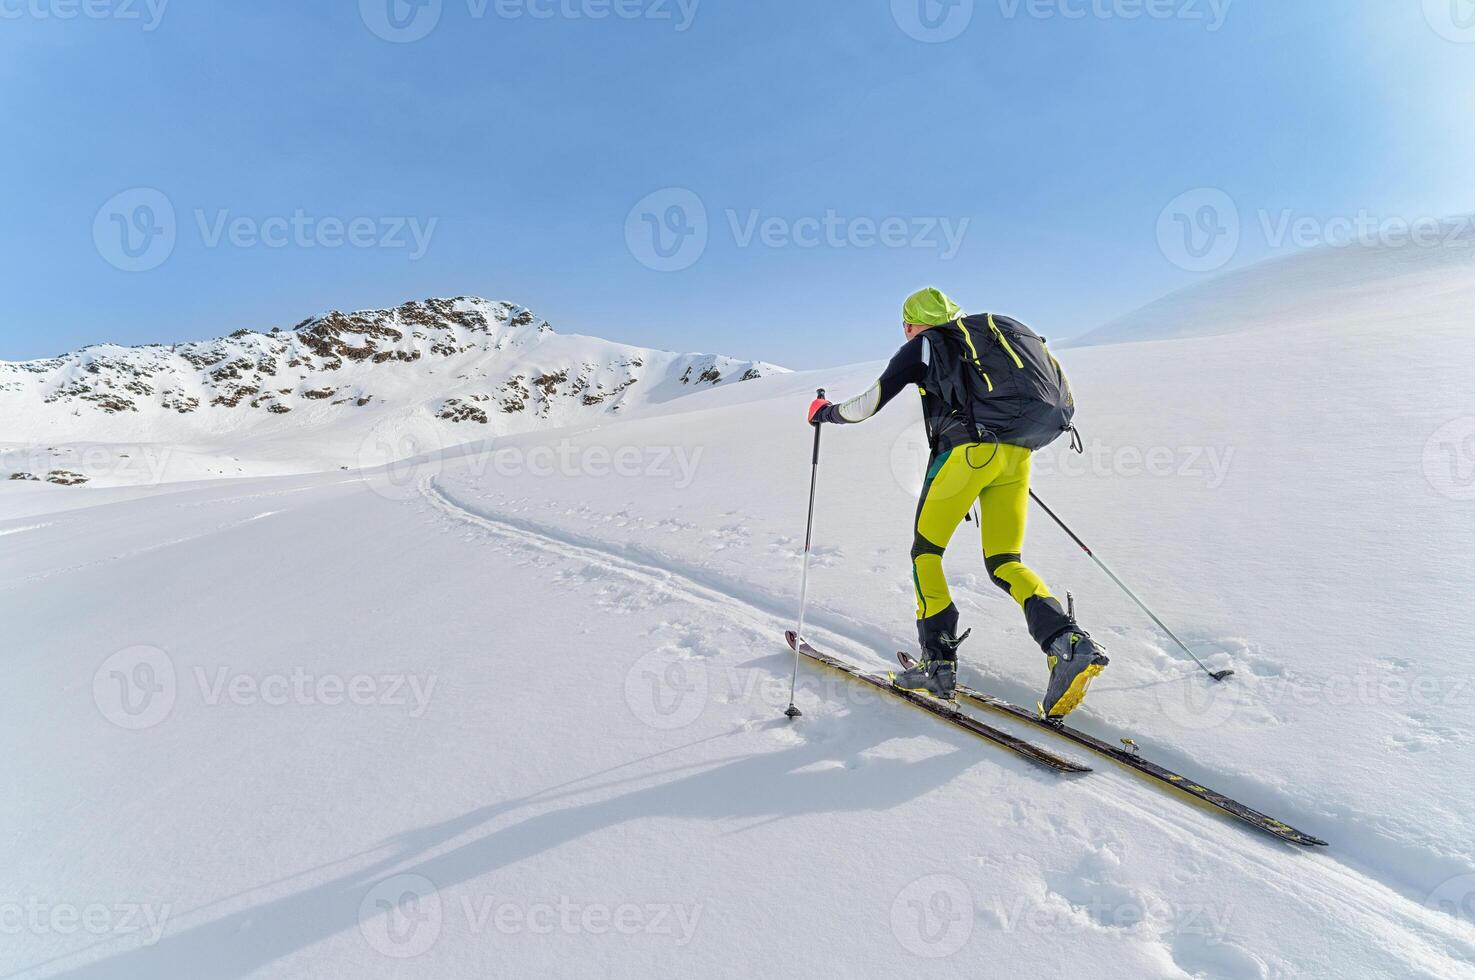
pixel 992 394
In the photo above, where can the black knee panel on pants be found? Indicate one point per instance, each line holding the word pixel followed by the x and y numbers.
pixel 921 546
pixel 997 562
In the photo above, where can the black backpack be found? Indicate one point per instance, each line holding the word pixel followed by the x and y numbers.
pixel 998 375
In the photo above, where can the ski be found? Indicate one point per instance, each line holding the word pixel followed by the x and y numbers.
pixel 1040 757
pixel 1127 755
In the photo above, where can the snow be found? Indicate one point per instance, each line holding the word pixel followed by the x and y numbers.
pixel 1396 285
pixel 336 391
pixel 515 708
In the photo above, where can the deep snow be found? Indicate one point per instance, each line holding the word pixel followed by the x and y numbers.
pixel 517 710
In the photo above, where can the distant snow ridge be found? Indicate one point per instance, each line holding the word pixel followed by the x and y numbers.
pixel 1331 286
pixel 470 366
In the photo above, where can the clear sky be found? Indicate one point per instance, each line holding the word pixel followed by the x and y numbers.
pixel 179 170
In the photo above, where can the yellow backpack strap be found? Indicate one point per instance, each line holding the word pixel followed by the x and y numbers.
pixel 968 336
pixel 1003 341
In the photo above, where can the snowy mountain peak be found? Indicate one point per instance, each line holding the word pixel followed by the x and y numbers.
pixel 470 366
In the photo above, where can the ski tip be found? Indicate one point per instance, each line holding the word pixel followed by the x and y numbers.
pixel 792 639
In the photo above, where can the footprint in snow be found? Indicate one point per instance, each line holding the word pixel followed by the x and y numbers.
pixel 1202 953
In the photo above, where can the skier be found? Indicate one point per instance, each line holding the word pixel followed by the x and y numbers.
pixel 992 394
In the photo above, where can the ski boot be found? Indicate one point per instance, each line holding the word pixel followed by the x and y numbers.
pixel 936 677
pixel 1075 660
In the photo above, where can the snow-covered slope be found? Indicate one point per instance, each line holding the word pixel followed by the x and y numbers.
pixel 345 390
pixel 516 711
pixel 1396 285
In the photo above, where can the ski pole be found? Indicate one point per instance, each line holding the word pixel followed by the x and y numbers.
pixel 794 711
pixel 1216 675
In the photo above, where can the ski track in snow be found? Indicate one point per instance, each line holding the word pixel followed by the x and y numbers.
pixel 1345 887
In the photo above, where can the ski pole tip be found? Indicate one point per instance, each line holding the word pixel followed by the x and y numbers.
pixel 1222 674
pixel 793 712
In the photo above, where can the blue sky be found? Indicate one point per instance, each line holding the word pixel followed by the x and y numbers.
pixel 766 178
